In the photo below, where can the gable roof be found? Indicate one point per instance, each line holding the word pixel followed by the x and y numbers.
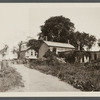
pixel 32 49
pixel 58 44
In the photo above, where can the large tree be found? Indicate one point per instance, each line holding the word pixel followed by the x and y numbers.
pixel 82 39
pixel 17 50
pixel 57 29
pixel 61 29
pixel 34 44
pixel 4 50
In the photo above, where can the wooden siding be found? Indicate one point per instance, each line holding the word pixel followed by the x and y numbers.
pixel 43 49
pixel 31 54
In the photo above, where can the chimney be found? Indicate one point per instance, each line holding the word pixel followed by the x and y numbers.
pixel 46 38
pixel 68 41
pixel 78 46
pixel 78 42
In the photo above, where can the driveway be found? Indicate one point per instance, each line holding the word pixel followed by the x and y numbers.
pixel 36 81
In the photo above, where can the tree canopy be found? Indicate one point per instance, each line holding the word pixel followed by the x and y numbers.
pixel 34 44
pixel 4 50
pixel 61 29
pixel 56 29
pixel 18 49
pixel 83 38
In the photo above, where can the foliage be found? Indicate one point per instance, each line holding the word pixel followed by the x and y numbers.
pixel 94 65
pixel 35 44
pixel 51 58
pixel 61 29
pixel 10 78
pixel 82 77
pixel 4 50
pixel 17 50
pixel 85 40
pixel 69 56
pixel 56 28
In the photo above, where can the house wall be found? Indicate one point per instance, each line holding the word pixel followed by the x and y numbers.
pixel 31 54
pixel 43 49
pixel 63 49
pixel 93 54
pixel 58 49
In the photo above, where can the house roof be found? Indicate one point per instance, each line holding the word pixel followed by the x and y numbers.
pixel 58 44
pixel 32 48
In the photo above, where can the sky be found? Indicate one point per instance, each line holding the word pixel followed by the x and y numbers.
pixel 19 21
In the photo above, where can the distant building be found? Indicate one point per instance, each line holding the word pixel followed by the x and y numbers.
pixel 8 55
pixel 55 47
pixel 89 56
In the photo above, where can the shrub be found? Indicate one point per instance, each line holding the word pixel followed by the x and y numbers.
pixel 82 76
pixel 10 78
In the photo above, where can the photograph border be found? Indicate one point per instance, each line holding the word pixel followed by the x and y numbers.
pixel 59 96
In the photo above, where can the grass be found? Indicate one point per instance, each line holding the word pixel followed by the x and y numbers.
pixel 10 78
pixel 83 77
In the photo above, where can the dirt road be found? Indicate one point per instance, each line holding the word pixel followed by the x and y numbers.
pixel 36 81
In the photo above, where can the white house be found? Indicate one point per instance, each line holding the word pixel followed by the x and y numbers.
pixel 31 54
pixel 28 52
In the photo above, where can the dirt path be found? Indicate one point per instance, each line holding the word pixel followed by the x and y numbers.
pixel 36 81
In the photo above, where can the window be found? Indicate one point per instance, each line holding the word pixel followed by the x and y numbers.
pixel 31 53
pixel 51 49
pixel 35 53
pixel 95 56
pixel 54 49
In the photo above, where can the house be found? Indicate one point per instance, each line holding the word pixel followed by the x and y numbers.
pixel 31 54
pixel 54 47
pixel 28 52
pixel 89 56
pixel 10 56
pixel 95 55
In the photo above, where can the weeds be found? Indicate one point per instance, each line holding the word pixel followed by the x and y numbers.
pixel 83 77
pixel 10 78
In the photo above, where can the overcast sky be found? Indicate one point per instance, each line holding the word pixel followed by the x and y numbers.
pixel 18 21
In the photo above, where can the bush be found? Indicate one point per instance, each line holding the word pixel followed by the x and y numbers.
pixel 10 78
pixel 82 76
pixel 95 65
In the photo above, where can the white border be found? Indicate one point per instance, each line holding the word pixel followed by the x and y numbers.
pixel 49 94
